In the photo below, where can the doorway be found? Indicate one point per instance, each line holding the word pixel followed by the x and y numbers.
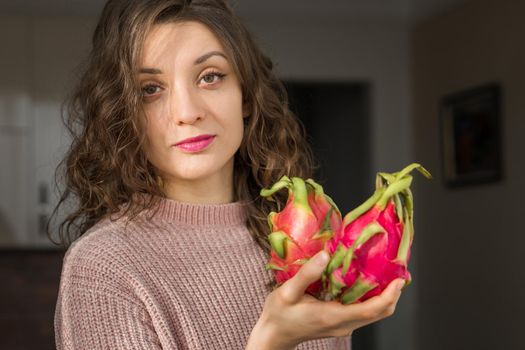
pixel 336 117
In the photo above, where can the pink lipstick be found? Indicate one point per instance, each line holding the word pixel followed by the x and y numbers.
pixel 195 144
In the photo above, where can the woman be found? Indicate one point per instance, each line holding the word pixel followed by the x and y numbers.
pixel 178 122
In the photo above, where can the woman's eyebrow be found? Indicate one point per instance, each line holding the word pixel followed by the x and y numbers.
pixel 204 57
pixel 199 60
pixel 150 71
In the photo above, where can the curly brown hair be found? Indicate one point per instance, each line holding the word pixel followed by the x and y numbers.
pixel 106 164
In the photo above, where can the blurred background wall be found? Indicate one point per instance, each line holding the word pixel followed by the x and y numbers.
pixel 467 291
pixel 37 61
pixel 470 248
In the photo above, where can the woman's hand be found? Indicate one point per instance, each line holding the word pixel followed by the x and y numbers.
pixel 290 316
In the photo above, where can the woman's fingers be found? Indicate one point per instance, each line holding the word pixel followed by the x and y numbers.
pixel 293 290
pixel 299 316
pixel 336 319
pixel 383 305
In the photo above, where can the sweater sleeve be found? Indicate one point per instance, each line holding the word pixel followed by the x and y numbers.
pixel 96 309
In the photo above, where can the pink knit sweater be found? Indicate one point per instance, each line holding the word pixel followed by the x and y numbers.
pixel 190 278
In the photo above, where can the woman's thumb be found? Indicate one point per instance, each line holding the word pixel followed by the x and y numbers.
pixel 310 272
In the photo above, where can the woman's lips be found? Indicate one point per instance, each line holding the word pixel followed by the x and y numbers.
pixel 195 144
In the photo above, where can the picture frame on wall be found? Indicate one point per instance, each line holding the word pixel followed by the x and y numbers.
pixel 470 123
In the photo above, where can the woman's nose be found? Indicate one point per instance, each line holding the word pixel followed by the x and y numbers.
pixel 186 106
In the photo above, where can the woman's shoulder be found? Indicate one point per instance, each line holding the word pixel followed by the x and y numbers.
pixel 104 244
pixel 100 261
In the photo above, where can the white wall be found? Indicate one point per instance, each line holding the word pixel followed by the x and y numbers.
pixel 47 49
pixel 351 51
pixel 36 61
pixel 15 131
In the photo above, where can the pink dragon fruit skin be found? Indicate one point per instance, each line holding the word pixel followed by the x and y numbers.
pixel 301 229
pixel 373 248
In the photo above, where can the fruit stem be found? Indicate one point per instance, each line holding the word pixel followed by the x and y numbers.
pixel 300 193
pixel 364 207
pixel 393 189
pixel 282 183
pixel 404 245
pixel 406 170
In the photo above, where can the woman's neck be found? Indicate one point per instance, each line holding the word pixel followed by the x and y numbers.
pixel 215 189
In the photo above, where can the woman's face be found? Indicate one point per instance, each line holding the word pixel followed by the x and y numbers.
pixel 189 89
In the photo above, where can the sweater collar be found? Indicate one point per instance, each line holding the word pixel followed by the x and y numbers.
pixel 198 214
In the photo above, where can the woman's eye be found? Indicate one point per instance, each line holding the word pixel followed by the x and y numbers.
pixel 210 77
pixel 150 90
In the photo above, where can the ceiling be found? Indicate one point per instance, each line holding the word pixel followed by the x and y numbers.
pixel 400 10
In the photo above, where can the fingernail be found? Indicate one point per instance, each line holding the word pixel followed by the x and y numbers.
pixel 322 258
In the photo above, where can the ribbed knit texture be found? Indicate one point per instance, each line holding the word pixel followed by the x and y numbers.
pixel 190 278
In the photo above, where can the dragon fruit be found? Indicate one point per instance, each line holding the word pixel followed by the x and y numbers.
pixel 301 229
pixel 373 248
